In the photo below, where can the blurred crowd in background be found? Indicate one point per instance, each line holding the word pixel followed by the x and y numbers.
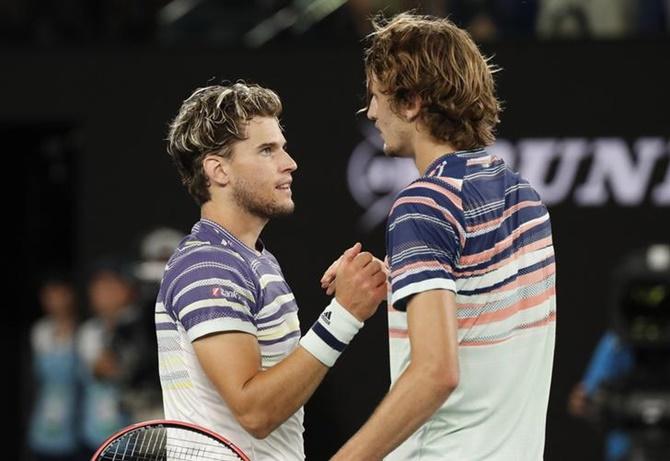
pixel 88 379
pixel 93 351
pixel 253 23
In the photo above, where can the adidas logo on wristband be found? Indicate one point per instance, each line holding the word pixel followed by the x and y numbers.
pixel 326 317
pixel 331 333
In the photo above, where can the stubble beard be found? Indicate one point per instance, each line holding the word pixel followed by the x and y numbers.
pixel 399 147
pixel 248 199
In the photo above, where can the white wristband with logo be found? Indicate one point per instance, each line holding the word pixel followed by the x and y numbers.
pixel 331 333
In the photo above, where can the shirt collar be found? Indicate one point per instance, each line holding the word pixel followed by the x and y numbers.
pixel 220 235
pixel 447 159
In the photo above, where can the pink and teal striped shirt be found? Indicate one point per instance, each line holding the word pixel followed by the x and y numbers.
pixel 473 226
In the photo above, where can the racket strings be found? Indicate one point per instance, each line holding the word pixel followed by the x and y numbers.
pixel 171 456
pixel 226 456
pixel 172 453
pixel 161 444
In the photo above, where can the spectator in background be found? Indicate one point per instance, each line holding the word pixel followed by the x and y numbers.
pixel 155 249
pixel 602 19
pixel 590 19
pixel 631 358
pixel 52 433
pixel 611 359
pixel 485 20
pixel 107 360
pixel 488 20
pixel 363 10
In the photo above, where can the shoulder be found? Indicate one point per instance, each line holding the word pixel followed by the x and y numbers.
pixel 41 334
pixel 430 190
pixel 207 270
pixel 89 330
pixel 205 260
pixel 89 339
pixel 41 326
pixel 429 198
pixel 270 258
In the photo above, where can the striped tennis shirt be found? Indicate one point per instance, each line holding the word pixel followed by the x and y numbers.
pixel 214 283
pixel 473 226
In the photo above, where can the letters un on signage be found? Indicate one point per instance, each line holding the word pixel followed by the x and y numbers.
pixel 616 171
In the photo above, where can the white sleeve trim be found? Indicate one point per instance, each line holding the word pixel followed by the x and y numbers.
pixel 220 325
pixel 420 287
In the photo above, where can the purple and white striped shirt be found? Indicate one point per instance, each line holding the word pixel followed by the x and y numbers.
pixel 214 283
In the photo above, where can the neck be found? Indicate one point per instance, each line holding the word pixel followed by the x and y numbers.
pixel 246 227
pixel 427 150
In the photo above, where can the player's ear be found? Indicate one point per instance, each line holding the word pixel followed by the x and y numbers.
pixel 217 169
pixel 412 108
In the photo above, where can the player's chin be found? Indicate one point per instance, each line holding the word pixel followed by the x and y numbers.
pixel 289 207
pixel 284 208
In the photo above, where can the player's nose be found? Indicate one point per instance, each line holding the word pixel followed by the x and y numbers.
pixel 291 165
pixel 372 112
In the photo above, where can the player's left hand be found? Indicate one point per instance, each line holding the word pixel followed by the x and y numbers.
pixel 328 278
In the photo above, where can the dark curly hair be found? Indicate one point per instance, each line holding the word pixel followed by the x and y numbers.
pixel 435 60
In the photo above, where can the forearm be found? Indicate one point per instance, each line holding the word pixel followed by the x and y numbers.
pixel 423 387
pixel 296 377
pixel 413 399
pixel 271 396
pixel 276 393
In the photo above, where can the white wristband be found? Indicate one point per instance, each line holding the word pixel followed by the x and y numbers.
pixel 331 333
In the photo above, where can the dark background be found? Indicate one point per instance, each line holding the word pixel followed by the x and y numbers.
pixel 86 132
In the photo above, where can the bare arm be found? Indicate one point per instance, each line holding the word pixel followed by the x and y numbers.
pixel 260 399
pixel 422 388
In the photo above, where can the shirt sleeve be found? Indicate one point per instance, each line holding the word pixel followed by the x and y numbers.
pixel 214 293
pixel 424 239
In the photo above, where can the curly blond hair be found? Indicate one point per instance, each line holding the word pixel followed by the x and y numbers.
pixel 433 59
pixel 210 121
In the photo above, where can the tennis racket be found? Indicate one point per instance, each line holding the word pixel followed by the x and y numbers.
pixel 164 440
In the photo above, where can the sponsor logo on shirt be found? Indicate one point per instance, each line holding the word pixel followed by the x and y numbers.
pixel 219 292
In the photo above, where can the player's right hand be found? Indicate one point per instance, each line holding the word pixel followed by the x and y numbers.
pixel 328 278
pixel 360 282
